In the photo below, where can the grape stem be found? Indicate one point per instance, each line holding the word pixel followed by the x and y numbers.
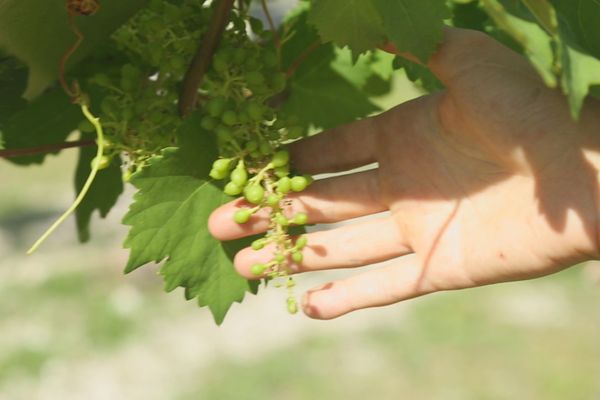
pixel 201 62
pixel 50 148
pixel 276 40
pixel 73 90
pixel 88 183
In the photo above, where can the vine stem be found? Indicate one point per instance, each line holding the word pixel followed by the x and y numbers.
pixel 276 40
pixel 73 91
pixel 30 151
pixel 200 63
pixel 303 56
pixel 88 183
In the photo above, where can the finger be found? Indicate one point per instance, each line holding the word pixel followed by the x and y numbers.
pixel 345 247
pixel 389 285
pixel 325 201
pixel 338 149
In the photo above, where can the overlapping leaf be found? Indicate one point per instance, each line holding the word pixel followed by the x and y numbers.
pixel 168 222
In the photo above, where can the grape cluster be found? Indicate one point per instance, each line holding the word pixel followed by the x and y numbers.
pixel 139 99
pixel 244 75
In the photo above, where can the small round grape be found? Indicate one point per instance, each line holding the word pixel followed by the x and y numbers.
pixel 242 216
pixel 297 257
pixel 281 158
pixel 299 183
pixel 284 185
pixel 258 269
pixel 300 218
pixel 254 193
pixel 232 189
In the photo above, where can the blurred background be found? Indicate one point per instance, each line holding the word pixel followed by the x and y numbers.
pixel 72 326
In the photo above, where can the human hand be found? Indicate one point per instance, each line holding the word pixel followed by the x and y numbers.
pixel 488 181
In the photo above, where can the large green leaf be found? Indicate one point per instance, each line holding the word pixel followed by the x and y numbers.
pixel 103 193
pixel 579 21
pixel 168 221
pixel 37 33
pixel 414 26
pixel 353 23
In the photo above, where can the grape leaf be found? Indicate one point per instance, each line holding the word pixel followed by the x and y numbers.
pixel 353 23
pixel 580 72
pixel 103 193
pixel 318 94
pixel 37 33
pixel 46 120
pixel 168 222
pixel 414 26
pixel 578 20
pixel 419 74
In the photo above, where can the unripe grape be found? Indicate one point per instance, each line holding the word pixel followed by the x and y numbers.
pixel 208 123
pixel 224 133
pixel 265 148
pixel 254 78
pixel 299 183
pixel 273 200
pixel 279 258
pixel 297 257
pixel 301 242
pixel 292 306
pixel 300 218
pixel 216 106
pixel 222 164
pixel 284 185
pixel 255 111
pixel 280 219
pixel 229 117
pixel 282 171
pixel 258 244
pixel 239 176
pixel 218 174
pixel 254 193
pixel 219 64
pixel 102 162
pixel 281 158
pixel 258 269
pixel 232 189
pixel 101 80
pixel 270 59
pixel 242 216
pixel 239 55
pixel 277 82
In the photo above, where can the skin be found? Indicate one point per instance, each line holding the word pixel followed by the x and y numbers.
pixel 488 181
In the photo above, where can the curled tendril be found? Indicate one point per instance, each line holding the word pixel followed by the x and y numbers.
pixel 83 7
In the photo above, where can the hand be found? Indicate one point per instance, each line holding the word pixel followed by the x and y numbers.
pixel 488 181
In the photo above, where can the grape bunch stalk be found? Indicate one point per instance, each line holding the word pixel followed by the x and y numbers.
pixel 243 77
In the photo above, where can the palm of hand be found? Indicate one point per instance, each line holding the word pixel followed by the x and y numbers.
pixel 486 182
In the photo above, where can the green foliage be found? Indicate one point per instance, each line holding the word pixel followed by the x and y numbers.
pixel 168 221
pixel 103 194
pixel 254 98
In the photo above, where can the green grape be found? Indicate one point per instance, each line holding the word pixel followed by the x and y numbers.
pixel 284 185
pixel 209 123
pixel 232 189
pixel 299 183
pixel 277 82
pixel 254 193
pixel 101 80
pixel 216 106
pixel 251 64
pixel 292 306
pixel 222 164
pixel 229 118
pixel 281 172
pixel 255 154
pixel 297 257
pixel 258 269
pixel 281 158
pixel 255 78
pixel 258 244
pixel 300 218
pixel 218 174
pixel 101 162
pixel 219 64
pixel 265 148
pixel 279 258
pixel 110 106
pixel 242 216
pixel 301 242
pixel 239 176
pixel 273 200
pixel 281 220
pixel 239 55
pixel 224 133
pixel 255 111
